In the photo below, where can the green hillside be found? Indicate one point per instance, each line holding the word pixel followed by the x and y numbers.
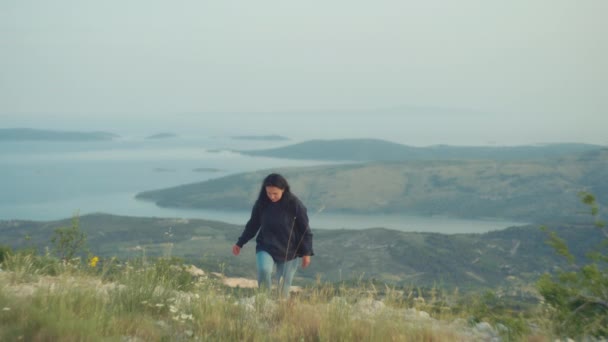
pixel 524 190
pixel 513 256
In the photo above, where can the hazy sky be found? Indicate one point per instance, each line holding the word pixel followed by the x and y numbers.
pixel 423 72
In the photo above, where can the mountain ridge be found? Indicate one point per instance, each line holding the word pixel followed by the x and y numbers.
pixel 511 256
pixel 30 134
pixel 365 150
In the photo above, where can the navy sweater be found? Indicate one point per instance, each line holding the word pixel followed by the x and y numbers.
pixel 282 229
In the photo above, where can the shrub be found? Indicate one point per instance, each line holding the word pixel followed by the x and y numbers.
pixel 579 295
pixel 69 241
pixel 4 252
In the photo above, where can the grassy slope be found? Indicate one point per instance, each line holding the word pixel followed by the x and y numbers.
pixel 45 299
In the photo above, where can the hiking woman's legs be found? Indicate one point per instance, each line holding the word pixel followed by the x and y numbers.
pixel 285 273
pixel 264 264
pixel 286 270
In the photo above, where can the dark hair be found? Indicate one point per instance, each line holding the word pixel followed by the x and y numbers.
pixel 276 180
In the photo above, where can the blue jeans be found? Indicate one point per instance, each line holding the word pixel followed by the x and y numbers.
pixel 285 272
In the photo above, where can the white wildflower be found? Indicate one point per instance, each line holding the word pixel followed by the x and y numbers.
pixel 172 308
pixel 159 305
pixel 6 308
pixel 185 317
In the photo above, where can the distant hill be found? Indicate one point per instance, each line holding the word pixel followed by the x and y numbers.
pixel 530 190
pixel 273 137
pixel 24 134
pixel 162 136
pixel 501 258
pixel 381 150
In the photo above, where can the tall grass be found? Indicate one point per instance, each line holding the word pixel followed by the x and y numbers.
pixel 44 299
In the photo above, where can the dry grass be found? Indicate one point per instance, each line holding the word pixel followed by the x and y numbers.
pixel 148 303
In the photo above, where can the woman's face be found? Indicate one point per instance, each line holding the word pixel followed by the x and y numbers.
pixel 274 193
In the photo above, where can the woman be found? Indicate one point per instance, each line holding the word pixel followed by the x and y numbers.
pixel 280 221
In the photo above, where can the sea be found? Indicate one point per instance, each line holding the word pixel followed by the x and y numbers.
pixel 52 180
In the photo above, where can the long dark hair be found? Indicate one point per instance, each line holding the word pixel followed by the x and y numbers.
pixel 276 180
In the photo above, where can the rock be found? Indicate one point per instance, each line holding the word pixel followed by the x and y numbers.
pixel 412 313
pixel 424 315
pixel 501 328
pixel 295 289
pixel 419 300
pixel 369 306
pixel 247 303
pixel 240 282
pixel 260 303
pixel 459 322
pixel 485 329
pixel 195 271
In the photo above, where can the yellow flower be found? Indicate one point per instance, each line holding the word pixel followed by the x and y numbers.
pixel 93 262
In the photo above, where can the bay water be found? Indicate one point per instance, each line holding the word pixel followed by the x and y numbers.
pixel 43 180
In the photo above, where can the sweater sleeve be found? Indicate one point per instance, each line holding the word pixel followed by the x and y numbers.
pixel 304 231
pixel 251 228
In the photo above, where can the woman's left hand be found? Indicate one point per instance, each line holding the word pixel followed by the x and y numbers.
pixel 305 261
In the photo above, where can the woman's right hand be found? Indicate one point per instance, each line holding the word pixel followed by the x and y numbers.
pixel 236 250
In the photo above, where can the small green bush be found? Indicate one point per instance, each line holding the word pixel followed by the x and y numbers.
pixel 4 252
pixel 579 294
pixel 70 241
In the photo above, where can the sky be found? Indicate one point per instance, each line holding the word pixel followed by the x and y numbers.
pixel 467 72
